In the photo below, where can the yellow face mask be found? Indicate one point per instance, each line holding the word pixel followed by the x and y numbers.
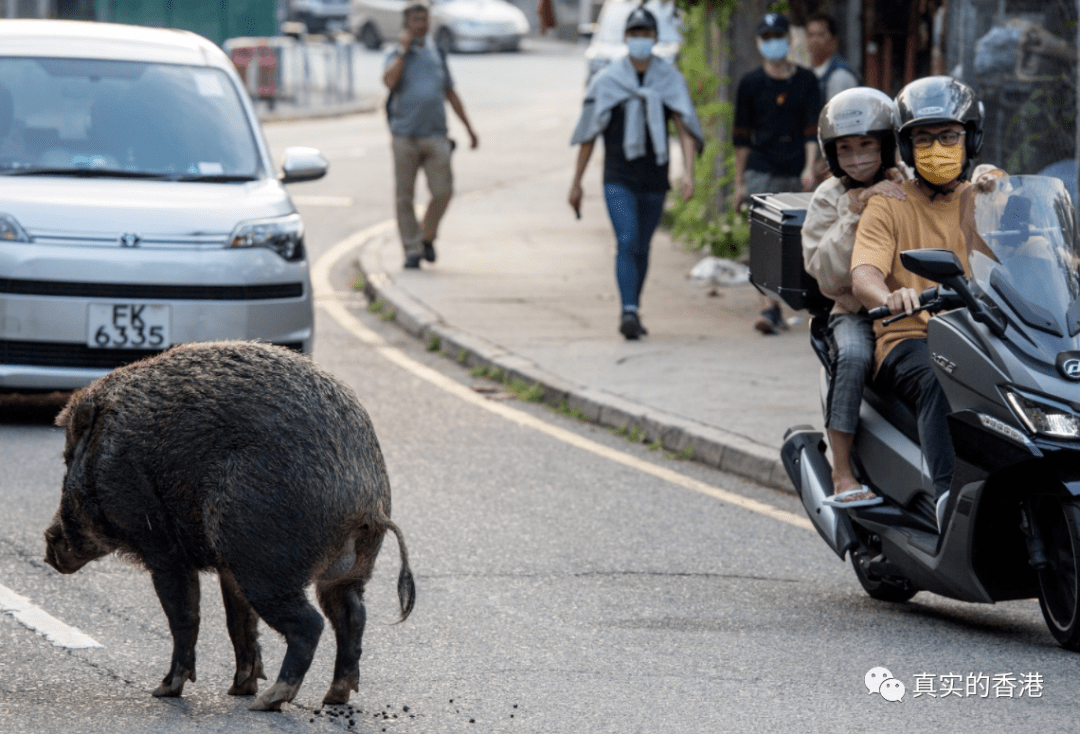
pixel 938 164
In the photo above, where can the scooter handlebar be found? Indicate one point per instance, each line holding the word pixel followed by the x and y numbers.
pixel 926 298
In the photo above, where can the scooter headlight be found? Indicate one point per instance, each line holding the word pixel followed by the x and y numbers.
pixel 1044 418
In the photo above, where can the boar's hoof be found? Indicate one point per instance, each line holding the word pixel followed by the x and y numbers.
pixel 248 687
pixel 246 682
pixel 173 684
pixel 341 689
pixel 272 698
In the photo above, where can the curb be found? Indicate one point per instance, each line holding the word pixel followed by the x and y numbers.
pixel 708 445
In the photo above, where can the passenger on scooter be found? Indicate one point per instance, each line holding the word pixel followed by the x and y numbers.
pixel 856 135
pixel 940 133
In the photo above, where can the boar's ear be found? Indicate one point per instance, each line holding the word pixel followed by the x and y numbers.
pixel 78 417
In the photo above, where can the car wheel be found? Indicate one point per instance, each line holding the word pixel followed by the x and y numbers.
pixel 369 36
pixel 444 39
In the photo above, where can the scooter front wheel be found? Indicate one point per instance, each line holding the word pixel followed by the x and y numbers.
pixel 1058 523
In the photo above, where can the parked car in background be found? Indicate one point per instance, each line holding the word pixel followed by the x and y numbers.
pixel 139 207
pixel 607 42
pixel 456 25
pixel 320 15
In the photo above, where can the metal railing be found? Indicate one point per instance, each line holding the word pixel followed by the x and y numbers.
pixel 301 72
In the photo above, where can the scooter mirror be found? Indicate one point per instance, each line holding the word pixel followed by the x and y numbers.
pixel 936 265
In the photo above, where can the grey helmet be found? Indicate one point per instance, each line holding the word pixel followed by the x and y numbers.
pixel 858 111
pixel 934 100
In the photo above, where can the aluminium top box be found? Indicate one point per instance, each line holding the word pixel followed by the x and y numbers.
pixel 776 261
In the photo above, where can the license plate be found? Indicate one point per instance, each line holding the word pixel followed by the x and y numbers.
pixel 128 326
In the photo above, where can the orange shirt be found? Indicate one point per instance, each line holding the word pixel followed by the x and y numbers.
pixel 889 227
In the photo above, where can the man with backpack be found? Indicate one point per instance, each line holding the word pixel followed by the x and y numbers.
pixel 419 82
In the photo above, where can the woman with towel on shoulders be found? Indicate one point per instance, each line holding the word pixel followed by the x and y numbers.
pixel 629 103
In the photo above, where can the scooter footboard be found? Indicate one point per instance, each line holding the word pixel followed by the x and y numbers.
pixel 803 455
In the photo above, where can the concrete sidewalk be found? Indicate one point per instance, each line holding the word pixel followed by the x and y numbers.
pixel 532 291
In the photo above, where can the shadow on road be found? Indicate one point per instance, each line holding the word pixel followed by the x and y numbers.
pixel 31 409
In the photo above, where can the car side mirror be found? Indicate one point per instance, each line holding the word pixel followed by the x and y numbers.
pixel 936 265
pixel 303 164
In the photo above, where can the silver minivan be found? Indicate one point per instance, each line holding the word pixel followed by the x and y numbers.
pixel 139 207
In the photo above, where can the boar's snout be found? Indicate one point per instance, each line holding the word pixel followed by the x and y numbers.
pixel 58 551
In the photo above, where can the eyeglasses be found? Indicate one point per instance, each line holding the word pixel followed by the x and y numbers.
pixel 949 138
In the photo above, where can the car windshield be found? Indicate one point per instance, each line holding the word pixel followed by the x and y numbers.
pixel 1029 224
pixel 94 117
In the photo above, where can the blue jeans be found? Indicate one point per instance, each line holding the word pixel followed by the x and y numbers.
pixel 851 352
pixel 634 215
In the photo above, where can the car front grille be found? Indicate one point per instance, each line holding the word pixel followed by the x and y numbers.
pixel 142 291
pixel 65 354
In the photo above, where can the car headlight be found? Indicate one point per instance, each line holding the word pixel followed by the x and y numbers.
pixel 11 230
pixel 1042 417
pixel 283 235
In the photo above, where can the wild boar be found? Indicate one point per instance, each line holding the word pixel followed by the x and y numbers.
pixel 243 458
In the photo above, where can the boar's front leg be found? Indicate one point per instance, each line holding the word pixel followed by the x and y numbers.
pixel 243 630
pixel 178 590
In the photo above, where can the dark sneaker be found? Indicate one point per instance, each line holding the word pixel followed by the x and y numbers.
pixel 412 262
pixel 770 321
pixel 429 251
pixel 629 325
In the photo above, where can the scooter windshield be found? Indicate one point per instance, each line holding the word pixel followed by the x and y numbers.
pixel 1029 224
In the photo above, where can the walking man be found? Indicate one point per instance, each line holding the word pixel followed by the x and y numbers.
pixel 775 132
pixel 419 82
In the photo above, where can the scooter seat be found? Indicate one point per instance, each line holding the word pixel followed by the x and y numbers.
pixel 894 410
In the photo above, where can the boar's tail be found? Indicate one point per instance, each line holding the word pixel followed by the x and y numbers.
pixel 406 588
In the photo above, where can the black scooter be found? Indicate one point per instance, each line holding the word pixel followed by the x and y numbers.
pixel 1005 345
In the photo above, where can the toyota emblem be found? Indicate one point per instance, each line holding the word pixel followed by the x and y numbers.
pixel 129 240
pixel 1068 364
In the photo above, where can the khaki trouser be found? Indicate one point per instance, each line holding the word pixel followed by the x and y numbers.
pixel 433 155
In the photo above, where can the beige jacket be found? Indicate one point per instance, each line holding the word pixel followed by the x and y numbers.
pixel 828 236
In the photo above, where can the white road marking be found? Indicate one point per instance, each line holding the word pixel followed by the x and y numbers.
pixel 52 629
pixel 332 303
pixel 309 200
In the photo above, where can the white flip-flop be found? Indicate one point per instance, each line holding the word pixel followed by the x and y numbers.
pixel 838 500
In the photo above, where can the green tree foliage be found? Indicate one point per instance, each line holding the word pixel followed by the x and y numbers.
pixel 704 222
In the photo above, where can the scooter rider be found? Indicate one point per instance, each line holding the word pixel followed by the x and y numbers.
pixel 857 138
pixel 940 133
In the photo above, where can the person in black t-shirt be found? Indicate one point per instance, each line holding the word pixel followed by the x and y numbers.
pixel 775 131
pixel 629 105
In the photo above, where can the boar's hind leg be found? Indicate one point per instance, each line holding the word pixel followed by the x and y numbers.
pixel 293 616
pixel 243 630
pixel 178 591
pixel 344 606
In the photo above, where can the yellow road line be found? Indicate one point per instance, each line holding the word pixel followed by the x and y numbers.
pixel 331 302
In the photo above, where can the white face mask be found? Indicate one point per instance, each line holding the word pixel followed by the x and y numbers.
pixel 640 47
pixel 773 49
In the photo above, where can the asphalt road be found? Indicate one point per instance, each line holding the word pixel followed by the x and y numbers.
pixel 564 584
